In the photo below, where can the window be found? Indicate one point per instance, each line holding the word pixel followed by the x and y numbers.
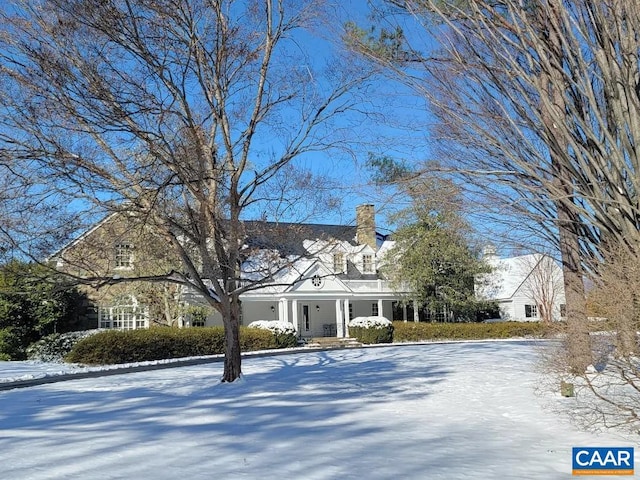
pixel 374 309
pixel 367 264
pixel 125 314
pixel 198 322
pixel 124 255
pixel 338 263
pixel 104 315
pixel 531 311
pixel 350 310
pixel 316 281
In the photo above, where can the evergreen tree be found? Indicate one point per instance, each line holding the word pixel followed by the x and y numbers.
pixel 33 303
pixel 433 257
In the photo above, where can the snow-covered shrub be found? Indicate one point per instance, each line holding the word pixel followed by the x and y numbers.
pixel 371 330
pixel 284 332
pixel 275 326
pixel 370 322
pixel 54 347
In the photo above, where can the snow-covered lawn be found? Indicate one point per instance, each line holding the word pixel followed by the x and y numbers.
pixel 440 411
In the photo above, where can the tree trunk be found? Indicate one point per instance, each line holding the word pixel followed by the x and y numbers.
pixel 232 357
pixel 627 325
pixel 578 345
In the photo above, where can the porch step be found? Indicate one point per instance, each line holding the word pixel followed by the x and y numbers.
pixel 333 342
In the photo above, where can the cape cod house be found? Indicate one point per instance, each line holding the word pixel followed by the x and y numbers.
pixel 335 277
pixel 526 288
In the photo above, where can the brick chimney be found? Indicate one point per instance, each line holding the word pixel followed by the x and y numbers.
pixel 366 226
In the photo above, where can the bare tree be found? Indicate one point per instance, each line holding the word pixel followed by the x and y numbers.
pixel 544 285
pixel 606 394
pixel 537 105
pixel 538 109
pixel 180 112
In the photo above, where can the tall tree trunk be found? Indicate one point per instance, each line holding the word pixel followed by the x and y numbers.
pixel 562 189
pixel 232 357
pixel 578 345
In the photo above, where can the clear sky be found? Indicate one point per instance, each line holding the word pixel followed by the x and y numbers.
pixel 391 121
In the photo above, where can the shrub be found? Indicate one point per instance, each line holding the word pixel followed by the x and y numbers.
pixel 371 330
pixel 252 339
pixel 33 303
pixel 416 332
pixel 114 347
pixel 284 332
pixel 12 341
pixel 54 347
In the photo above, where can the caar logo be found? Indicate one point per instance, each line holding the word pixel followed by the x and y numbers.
pixel 602 461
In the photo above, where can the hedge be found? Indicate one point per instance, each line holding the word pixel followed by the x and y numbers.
pixel 371 330
pixel 416 332
pixel 284 332
pixel 115 347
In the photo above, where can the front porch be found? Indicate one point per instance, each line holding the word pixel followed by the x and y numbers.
pixel 316 318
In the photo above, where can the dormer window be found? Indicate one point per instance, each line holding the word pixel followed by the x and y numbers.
pixel 367 264
pixel 124 255
pixel 338 263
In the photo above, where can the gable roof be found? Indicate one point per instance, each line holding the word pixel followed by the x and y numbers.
pixel 508 276
pixel 315 267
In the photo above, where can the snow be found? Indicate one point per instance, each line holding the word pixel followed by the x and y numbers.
pixel 276 326
pixel 16 371
pixel 370 322
pixel 436 411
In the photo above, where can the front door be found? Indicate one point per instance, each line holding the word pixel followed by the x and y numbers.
pixel 306 322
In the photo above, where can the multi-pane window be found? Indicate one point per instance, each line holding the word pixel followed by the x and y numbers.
pixel 123 317
pixel 125 314
pixel 367 264
pixel 105 318
pixel 531 311
pixel 374 309
pixel 124 255
pixel 338 262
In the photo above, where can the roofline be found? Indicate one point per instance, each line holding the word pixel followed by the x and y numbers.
pixel 108 217
pixel 84 234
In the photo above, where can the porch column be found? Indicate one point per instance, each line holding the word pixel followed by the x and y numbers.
pixel 380 311
pixel 294 311
pixel 404 312
pixel 416 316
pixel 339 320
pixel 283 310
pixel 346 317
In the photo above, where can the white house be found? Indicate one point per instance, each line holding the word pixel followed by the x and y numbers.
pixel 336 279
pixel 526 288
